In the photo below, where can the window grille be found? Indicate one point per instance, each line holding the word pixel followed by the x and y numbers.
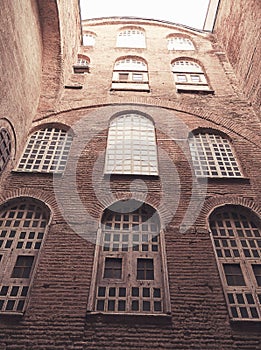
pixel 46 151
pixel 237 242
pixel 179 43
pixel 131 38
pixel 5 148
pixel 22 229
pixel 212 156
pixel 131 146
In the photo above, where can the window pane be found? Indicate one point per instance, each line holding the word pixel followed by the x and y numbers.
pixel 234 275
pixel 113 268
pixel 257 273
pixel 145 269
pixel 23 267
pixel 5 148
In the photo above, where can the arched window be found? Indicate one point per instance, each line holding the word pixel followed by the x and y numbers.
pixel 82 64
pixel 180 43
pixel 213 156
pixel 131 37
pixel 131 146
pixel 236 236
pixel 189 76
pixel 5 148
pixel 46 151
pixel 22 227
pixel 89 39
pixel 130 73
pixel 130 274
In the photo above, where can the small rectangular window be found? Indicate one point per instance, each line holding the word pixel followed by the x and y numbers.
pixel 113 268
pixel 181 78
pixel 234 275
pixel 145 269
pixel 195 78
pixel 137 77
pixel 123 76
pixel 257 273
pixel 22 267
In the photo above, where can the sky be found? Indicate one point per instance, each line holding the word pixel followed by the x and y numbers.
pixel 188 12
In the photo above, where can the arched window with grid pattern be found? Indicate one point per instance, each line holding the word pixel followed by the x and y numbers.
pixel 131 37
pixel 5 148
pixel 180 43
pixel 236 237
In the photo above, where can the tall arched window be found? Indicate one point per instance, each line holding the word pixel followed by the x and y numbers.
pixel 180 43
pixel 131 146
pixel 236 236
pixel 130 272
pixel 189 76
pixel 22 227
pixel 5 148
pixel 89 39
pixel 46 151
pixel 131 37
pixel 130 73
pixel 212 156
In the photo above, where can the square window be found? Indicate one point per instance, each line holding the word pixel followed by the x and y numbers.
pixel 234 275
pixel 23 266
pixel 145 269
pixel 113 268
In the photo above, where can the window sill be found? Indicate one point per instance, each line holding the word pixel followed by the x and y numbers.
pixel 7 314
pixel 223 179
pixel 35 172
pixel 195 91
pixel 116 317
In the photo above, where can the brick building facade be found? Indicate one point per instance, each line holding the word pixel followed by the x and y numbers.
pixel 130 195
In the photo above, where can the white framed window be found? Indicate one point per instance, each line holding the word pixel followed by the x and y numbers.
pixel 212 156
pixel 89 39
pixel 5 148
pixel 22 228
pixel 130 271
pixel 131 38
pixel 180 43
pixel 82 65
pixel 46 151
pixel 130 74
pixel 131 146
pixel 236 237
pixel 189 76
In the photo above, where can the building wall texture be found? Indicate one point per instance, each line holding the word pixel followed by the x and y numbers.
pixel 56 315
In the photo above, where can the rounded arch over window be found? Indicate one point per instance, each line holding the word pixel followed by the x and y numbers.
pixel 212 154
pixel 130 274
pixel 131 63
pixel 23 223
pixel 82 65
pixel 47 150
pixel 131 37
pixel 180 42
pixel 89 38
pixel 236 238
pixel 131 145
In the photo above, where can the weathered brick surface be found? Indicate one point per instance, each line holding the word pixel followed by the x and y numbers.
pixel 56 317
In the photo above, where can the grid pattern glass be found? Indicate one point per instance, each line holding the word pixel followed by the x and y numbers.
pixel 131 146
pixel 212 156
pixel 130 64
pixel 237 242
pixel 46 151
pixel 134 236
pixel 5 148
pixel 179 43
pixel 131 38
pixel 22 228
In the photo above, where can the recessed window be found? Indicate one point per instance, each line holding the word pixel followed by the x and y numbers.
pixel 131 38
pixel 131 146
pixel 82 64
pixel 89 39
pixel 46 151
pixel 236 237
pixel 212 156
pixel 5 148
pixel 180 43
pixel 130 270
pixel 23 224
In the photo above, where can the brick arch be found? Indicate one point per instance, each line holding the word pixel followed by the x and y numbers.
pixel 56 124
pixel 200 130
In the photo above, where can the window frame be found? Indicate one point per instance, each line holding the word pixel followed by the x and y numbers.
pixel 5 148
pixel 126 38
pixel 184 44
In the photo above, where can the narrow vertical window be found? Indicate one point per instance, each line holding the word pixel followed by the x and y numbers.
pixel 22 227
pixel 130 272
pixel 131 146
pixel 212 156
pixel 46 151
pixel 5 148
pixel 236 238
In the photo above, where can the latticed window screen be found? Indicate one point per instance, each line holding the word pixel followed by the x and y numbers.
pixel 237 241
pixel 212 156
pixel 179 43
pixel 131 146
pixel 47 151
pixel 131 38
pixel 22 228
pixel 130 269
pixel 5 148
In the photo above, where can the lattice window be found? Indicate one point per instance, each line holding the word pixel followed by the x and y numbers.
pixel 213 156
pixel 46 151
pixel 179 43
pixel 89 39
pixel 22 228
pixel 5 148
pixel 131 37
pixel 131 146
pixel 130 270
pixel 237 241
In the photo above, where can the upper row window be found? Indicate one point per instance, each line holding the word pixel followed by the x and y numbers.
pixel 131 37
